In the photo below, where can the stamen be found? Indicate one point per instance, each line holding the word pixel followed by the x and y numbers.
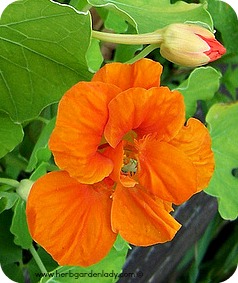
pixel 130 167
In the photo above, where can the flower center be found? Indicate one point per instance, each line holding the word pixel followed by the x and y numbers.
pixel 129 166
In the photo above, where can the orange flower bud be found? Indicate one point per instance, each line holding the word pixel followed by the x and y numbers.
pixel 190 45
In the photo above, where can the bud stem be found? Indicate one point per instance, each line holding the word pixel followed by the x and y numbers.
pixel 147 50
pixel 146 38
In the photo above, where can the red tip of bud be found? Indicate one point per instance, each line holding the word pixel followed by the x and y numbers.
pixel 216 48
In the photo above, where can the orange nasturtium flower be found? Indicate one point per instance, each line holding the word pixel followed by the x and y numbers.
pixel 126 155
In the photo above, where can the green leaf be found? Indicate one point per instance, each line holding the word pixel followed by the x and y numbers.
pixel 7 200
pixel 81 5
pixel 43 47
pixel 223 121
pixel 126 52
pixel 41 170
pixel 201 247
pixel 14 272
pixel 11 134
pixel 41 151
pixel 120 244
pixel 106 271
pixel 9 251
pixel 150 15
pixel 213 256
pixel 224 258
pixel 115 22
pixel 230 80
pixel 226 21
pixel 94 55
pixel 14 164
pixel 19 226
pixel 202 84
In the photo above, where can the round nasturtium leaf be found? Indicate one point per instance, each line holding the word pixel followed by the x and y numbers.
pixel 150 15
pixel 43 53
pixel 193 90
pixel 223 124
pixel 11 134
pixel 19 226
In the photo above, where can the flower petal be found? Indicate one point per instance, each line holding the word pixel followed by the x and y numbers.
pixel 70 220
pixel 157 110
pixel 81 119
pixel 139 219
pixel 166 171
pixel 194 140
pixel 116 156
pixel 144 73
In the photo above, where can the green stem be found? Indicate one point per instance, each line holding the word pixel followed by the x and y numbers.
pixel 10 182
pixel 42 119
pixel 143 53
pixel 38 259
pixel 146 38
pixel 86 8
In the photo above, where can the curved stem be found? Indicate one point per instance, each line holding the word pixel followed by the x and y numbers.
pixel 10 182
pixel 146 38
pixel 38 259
pixel 147 50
